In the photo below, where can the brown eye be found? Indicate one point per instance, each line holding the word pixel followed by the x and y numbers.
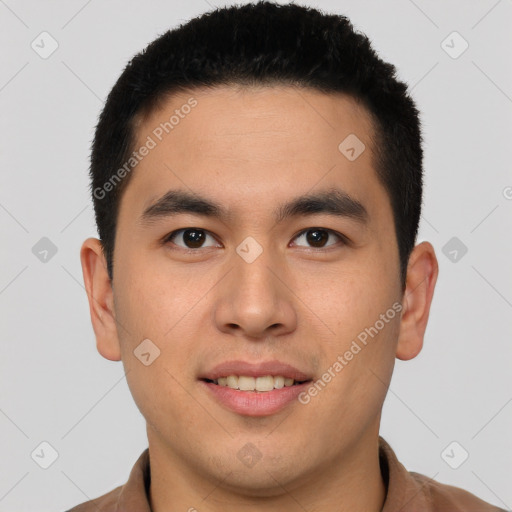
pixel 190 238
pixel 193 238
pixel 317 237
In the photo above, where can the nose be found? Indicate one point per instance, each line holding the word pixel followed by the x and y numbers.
pixel 254 301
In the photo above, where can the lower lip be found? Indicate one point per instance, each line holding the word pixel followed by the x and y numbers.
pixel 254 403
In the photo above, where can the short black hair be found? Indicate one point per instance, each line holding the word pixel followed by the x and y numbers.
pixel 264 43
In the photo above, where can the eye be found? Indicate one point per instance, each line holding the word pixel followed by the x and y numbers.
pixel 318 237
pixel 191 238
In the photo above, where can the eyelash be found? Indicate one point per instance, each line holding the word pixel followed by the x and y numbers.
pixel 169 238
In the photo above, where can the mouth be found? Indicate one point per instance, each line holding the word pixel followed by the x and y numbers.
pixel 254 389
pixel 262 384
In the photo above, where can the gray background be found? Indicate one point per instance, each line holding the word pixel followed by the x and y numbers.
pixel 56 388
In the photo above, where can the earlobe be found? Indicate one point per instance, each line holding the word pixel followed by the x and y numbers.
pixel 422 273
pixel 100 296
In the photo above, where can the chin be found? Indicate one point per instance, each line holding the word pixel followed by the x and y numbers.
pixel 251 484
pixel 264 478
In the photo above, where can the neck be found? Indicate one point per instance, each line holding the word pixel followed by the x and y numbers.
pixel 350 481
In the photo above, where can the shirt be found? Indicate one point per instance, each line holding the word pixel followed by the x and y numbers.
pixel 406 491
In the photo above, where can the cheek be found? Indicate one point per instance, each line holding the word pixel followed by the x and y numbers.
pixel 361 307
pixel 362 363
pixel 351 298
pixel 167 307
pixel 151 307
pixel 158 392
pixel 151 299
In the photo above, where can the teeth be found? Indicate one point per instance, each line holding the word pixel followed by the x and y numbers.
pixel 279 382
pixel 232 382
pixel 245 383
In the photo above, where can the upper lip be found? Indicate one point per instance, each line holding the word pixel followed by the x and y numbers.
pixel 260 369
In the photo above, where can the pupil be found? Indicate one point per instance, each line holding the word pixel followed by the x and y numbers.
pixel 317 237
pixel 194 238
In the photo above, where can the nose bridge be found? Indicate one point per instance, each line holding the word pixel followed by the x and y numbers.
pixel 253 301
pixel 255 283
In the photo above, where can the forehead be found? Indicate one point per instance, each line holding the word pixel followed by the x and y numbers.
pixel 262 112
pixel 251 143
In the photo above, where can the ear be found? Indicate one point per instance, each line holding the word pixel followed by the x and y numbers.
pixel 101 299
pixel 422 272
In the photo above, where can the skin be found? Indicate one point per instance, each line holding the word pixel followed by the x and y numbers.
pixel 251 149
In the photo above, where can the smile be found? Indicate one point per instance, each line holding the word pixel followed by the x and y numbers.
pixel 257 384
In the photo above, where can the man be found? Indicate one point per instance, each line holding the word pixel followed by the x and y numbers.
pixel 257 183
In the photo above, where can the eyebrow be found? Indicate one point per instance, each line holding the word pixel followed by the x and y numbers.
pixel 333 202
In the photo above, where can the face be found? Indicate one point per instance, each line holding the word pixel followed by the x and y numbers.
pixel 250 244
